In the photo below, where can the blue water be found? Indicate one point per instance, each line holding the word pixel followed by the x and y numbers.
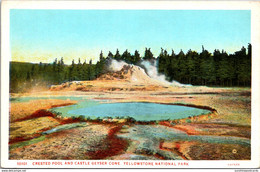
pixel 138 111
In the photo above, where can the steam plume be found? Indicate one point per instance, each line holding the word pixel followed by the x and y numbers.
pixel 150 69
pixel 115 65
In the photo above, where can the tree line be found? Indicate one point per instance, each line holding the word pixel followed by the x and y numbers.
pixel 217 69
pixel 24 76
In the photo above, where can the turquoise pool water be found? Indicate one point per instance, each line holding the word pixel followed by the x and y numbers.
pixel 140 111
pixel 137 110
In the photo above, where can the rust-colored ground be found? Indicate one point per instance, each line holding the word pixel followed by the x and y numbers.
pixel 89 142
pixel 31 109
pixel 232 117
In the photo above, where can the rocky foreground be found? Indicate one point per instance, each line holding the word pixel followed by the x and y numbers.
pixel 42 135
pixel 37 133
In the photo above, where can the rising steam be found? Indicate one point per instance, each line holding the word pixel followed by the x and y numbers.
pixel 115 65
pixel 150 69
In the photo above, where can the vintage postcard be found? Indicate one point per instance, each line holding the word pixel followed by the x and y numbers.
pixel 116 84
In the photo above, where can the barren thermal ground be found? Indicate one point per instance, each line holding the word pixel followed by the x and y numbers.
pixel 127 115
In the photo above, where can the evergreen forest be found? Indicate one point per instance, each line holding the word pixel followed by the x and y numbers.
pixel 211 69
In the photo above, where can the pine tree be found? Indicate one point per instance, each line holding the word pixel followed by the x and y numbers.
pixel 110 55
pixel 223 68
pixel 148 55
pixel 117 55
pixel 182 68
pixel 126 56
pixel 136 58
pixel 161 62
pixel 191 72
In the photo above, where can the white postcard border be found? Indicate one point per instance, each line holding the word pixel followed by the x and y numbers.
pixel 142 5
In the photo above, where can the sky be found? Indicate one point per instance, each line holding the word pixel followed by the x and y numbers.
pixel 43 35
